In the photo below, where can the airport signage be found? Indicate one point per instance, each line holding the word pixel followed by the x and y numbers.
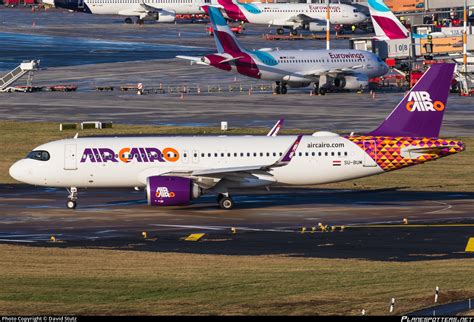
pixel 405 5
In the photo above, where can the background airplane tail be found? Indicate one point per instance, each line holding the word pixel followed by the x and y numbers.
pixel 421 111
pixel 226 41
pixel 386 25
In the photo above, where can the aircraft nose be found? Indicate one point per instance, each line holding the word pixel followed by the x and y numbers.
pixel 17 171
pixel 20 172
pixel 361 16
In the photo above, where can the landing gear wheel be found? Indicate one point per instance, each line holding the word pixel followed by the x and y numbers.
pixel 128 21
pixel 294 32
pixel 283 89
pixel 140 21
pixel 226 203
pixel 322 91
pixel 277 89
pixel 280 31
pixel 71 204
pixel 315 89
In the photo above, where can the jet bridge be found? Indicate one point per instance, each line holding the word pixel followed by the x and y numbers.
pixel 26 67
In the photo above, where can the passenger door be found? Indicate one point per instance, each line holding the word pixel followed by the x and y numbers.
pixel 70 157
pixel 370 155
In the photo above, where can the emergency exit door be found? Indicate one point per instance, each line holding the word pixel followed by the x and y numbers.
pixel 70 157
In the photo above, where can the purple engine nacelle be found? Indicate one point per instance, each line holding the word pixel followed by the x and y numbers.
pixel 171 191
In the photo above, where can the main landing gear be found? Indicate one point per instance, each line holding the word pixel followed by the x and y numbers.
pixel 225 201
pixel 280 88
pixel 72 198
pixel 319 90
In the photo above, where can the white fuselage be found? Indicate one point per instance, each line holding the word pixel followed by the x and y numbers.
pixel 283 14
pixel 128 7
pixel 305 65
pixel 321 158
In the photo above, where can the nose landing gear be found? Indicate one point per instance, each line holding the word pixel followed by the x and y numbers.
pixel 71 203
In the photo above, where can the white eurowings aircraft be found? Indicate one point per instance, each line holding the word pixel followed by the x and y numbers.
pixel 290 15
pixel 339 68
pixel 175 170
pixel 159 10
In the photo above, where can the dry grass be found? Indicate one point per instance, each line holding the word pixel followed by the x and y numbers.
pixel 85 281
pixel 455 173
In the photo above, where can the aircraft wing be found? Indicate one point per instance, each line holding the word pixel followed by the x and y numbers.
pixel 319 72
pixel 201 61
pixel 282 161
pixel 302 18
pixel 142 10
pixel 209 177
pixel 193 59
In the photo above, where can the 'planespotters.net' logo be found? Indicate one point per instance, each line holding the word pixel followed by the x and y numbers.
pixel 421 101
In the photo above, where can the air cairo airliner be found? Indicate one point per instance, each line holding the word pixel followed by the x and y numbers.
pixel 175 170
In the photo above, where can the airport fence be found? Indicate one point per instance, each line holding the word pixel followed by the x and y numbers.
pixel 196 89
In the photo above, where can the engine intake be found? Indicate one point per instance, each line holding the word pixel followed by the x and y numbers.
pixel 166 16
pixel 351 82
pixel 171 191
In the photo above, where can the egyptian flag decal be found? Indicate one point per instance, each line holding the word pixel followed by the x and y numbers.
pixel 336 163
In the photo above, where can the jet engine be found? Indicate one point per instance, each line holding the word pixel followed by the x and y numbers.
pixel 351 82
pixel 166 16
pixel 171 191
pixel 315 27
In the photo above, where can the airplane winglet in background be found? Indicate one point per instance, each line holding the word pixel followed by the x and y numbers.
pixel 276 128
pixel 420 112
pixel 386 25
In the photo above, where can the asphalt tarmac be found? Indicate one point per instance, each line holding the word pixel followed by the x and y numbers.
pixel 266 223
pixel 99 51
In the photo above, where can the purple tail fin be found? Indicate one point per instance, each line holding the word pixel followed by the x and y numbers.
pixel 421 111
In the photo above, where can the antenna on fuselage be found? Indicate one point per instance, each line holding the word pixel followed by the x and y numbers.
pixel 76 136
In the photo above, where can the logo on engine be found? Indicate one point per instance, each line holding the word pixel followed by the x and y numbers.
pixel 163 192
pixel 421 101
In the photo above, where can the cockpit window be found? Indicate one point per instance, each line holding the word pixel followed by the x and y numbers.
pixel 38 155
pixel 356 11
